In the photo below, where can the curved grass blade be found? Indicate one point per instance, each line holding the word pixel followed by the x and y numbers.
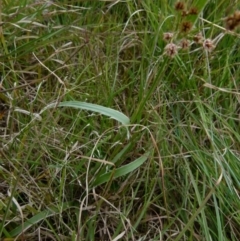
pixel 121 171
pixel 36 219
pixel 114 114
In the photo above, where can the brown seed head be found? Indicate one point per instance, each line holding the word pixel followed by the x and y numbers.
pixel 167 36
pixel 233 21
pixel 236 16
pixel 198 38
pixel 184 44
pixel 179 6
pixel 193 11
pixel 186 27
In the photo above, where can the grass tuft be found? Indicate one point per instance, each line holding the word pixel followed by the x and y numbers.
pixel 119 120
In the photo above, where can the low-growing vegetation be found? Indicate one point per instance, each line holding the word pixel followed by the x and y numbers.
pixel 119 120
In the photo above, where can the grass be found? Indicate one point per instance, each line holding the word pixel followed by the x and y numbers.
pixel 110 130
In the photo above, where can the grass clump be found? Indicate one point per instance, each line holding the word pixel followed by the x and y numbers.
pixel 119 120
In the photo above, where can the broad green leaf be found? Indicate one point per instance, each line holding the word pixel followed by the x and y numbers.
pixel 114 114
pixel 36 219
pixel 121 153
pixel 121 171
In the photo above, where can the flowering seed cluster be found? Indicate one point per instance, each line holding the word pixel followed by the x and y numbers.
pixel 208 45
pixel 184 44
pixel 180 6
pixel 185 27
pixel 171 50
